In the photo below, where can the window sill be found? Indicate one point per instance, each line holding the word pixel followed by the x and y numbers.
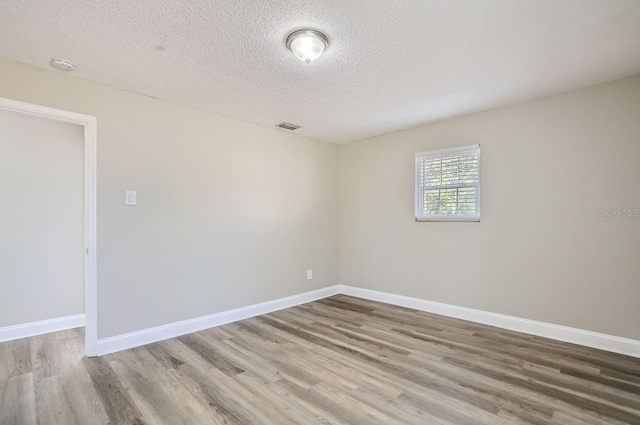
pixel 449 218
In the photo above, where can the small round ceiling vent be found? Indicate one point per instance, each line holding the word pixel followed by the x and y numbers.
pixel 62 64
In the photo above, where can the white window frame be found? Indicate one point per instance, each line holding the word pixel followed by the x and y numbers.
pixel 419 190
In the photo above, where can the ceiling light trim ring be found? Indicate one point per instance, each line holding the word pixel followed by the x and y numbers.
pixel 309 32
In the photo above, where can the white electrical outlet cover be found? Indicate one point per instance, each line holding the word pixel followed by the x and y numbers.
pixel 130 197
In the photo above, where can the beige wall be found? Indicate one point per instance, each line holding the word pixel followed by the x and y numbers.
pixel 542 250
pixel 41 219
pixel 229 213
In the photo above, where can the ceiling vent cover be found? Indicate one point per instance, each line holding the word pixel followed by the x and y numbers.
pixel 288 126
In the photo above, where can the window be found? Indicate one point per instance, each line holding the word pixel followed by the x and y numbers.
pixel 448 184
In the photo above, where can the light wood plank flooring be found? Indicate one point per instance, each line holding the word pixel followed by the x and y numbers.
pixel 336 361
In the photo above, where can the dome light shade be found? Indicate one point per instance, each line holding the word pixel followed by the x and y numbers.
pixel 307 45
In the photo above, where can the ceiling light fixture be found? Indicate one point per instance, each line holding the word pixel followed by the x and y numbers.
pixel 62 64
pixel 307 44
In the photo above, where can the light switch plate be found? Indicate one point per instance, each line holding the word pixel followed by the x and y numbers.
pixel 130 197
pixel 309 274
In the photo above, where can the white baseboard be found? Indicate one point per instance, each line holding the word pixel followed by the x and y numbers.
pixel 615 344
pixel 172 330
pixel 26 330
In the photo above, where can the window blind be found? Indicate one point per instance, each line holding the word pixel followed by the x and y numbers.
pixel 448 184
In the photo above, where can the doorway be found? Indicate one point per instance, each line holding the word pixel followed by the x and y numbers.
pixel 87 271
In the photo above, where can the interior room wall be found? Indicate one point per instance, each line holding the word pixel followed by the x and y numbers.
pixel 229 213
pixel 552 244
pixel 42 219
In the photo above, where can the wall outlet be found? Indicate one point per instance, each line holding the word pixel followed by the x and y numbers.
pixel 309 274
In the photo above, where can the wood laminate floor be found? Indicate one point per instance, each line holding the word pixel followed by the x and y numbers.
pixel 340 360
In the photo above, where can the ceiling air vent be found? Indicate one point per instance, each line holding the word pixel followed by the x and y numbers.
pixel 288 126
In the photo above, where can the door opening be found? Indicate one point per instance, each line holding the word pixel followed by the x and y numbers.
pixel 89 125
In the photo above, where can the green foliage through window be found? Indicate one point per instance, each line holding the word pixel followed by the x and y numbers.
pixel 448 184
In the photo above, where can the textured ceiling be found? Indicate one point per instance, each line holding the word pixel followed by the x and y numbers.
pixel 392 64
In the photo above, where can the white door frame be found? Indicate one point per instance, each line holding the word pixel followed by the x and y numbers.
pixel 90 197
